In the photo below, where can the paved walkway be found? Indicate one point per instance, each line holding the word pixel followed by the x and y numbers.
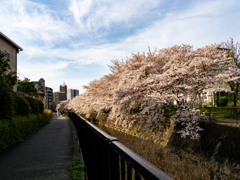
pixel 225 120
pixel 45 155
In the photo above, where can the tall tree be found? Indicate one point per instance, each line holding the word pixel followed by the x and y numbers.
pixel 148 82
pixel 9 77
pixel 233 51
pixel 6 92
pixel 26 86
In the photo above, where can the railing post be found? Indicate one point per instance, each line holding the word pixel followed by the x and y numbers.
pixel 112 171
pixel 101 156
pixel 129 171
pixel 122 169
pixel 137 175
pixel 236 114
pixel 210 113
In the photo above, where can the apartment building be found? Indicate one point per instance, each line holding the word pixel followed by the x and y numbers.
pixel 47 92
pixel 40 85
pixel 71 93
pixel 10 49
pixel 63 92
pixel 59 96
pixel 48 97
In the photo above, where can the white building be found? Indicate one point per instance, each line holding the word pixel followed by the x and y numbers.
pixel 71 93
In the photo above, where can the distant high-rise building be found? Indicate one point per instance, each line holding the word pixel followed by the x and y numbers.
pixel 47 92
pixel 71 93
pixel 40 85
pixel 63 92
pixel 59 96
pixel 48 97
pixel 56 96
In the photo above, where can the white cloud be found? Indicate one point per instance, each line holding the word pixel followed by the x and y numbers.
pixel 52 43
pixel 36 69
pixel 27 23
pixel 93 15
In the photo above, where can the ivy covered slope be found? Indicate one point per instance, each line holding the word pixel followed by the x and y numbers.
pixel 138 94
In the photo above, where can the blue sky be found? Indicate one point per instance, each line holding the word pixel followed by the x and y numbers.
pixel 73 41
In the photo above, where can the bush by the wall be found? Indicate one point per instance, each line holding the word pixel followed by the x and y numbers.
pixel 40 105
pixel 20 126
pixel 223 101
pixel 6 100
pixel 33 105
pixel 21 106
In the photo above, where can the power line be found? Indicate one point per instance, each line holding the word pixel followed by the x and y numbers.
pixel 17 69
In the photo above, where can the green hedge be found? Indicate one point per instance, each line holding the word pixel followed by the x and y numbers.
pixel 223 101
pixel 40 105
pixel 33 105
pixel 20 126
pixel 6 100
pixel 21 106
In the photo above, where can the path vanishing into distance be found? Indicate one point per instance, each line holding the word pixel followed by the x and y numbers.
pixel 44 155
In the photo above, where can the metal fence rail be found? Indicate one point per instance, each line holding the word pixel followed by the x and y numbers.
pixel 230 113
pixel 105 158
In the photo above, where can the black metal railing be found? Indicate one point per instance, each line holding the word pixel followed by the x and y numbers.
pixel 105 158
pixel 222 113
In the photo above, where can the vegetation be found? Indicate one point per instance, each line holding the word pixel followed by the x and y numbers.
pixel 15 130
pixel 40 105
pixel 177 163
pixel 233 51
pixel 33 105
pixel 140 90
pixel 76 168
pixel 8 76
pixel 26 86
pixel 223 101
pixel 6 92
pixel 22 106
pixel 6 100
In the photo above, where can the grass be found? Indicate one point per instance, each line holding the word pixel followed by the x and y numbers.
pixel 222 113
pixel 76 168
pixel 177 163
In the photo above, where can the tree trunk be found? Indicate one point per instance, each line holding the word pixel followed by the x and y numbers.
pixel 235 95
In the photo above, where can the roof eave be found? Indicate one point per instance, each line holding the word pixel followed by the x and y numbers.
pixel 10 41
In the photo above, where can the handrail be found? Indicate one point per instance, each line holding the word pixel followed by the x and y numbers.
pixel 139 163
pixel 106 158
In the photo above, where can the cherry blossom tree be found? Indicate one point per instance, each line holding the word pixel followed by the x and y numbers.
pixel 233 51
pixel 147 83
pixel 54 104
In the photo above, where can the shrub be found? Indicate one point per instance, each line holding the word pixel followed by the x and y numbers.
pixel 20 126
pixel 211 104
pixel 40 105
pixel 6 100
pixel 223 101
pixel 33 105
pixel 21 106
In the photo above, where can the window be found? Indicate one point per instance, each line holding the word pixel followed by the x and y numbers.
pixel 6 56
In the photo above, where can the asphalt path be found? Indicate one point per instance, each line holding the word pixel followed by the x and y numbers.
pixel 44 155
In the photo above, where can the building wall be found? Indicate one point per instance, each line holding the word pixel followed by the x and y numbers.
pixel 56 96
pixel 63 91
pixel 48 97
pixel 62 96
pixel 12 51
pixel 40 85
pixel 59 96
pixel 71 93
